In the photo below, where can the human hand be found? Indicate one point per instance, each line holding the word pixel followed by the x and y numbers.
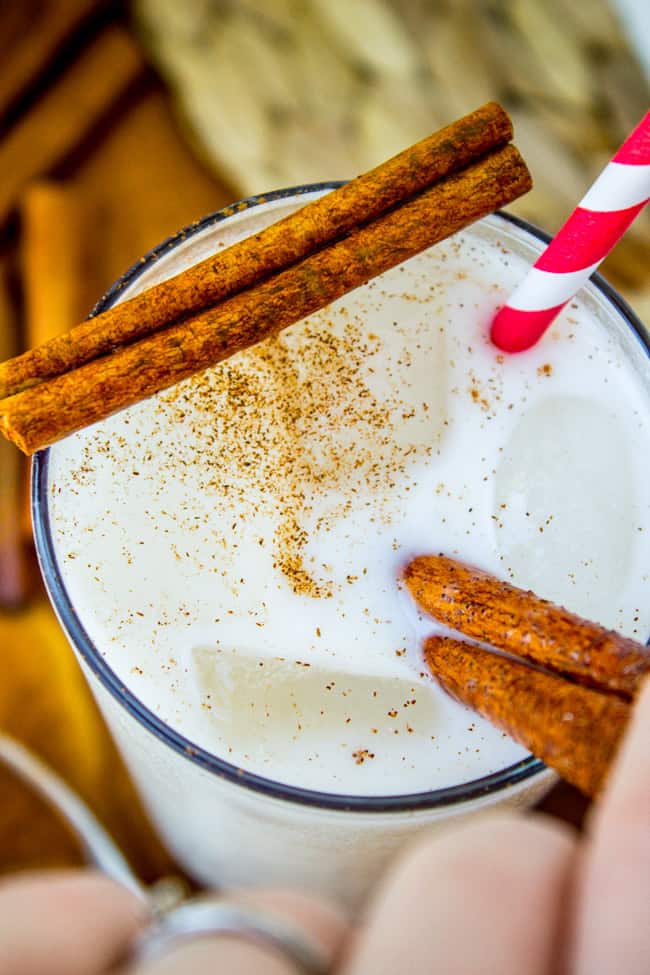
pixel 81 923
pixel 508 894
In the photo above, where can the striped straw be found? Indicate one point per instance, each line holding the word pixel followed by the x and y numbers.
pixel 595 226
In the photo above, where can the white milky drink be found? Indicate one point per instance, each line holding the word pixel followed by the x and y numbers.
pixel 226 556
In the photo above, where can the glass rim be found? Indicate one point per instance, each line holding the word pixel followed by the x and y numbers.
pixel 409 802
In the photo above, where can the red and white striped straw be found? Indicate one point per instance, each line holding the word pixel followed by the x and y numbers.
pixel 595 226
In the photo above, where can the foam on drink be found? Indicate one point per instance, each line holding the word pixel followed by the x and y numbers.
pixel 232 545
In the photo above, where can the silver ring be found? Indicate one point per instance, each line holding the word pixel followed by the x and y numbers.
pixel 203 917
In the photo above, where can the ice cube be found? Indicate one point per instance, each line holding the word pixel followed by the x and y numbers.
pixel 286 712
pixel 564 505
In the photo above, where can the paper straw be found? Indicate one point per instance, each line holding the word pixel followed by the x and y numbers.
pixel 595 226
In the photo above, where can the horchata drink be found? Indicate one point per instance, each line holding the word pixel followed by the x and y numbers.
pixel 226 555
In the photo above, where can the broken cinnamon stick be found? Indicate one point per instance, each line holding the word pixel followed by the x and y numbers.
pixel 274 249
pixel 491 611
pixel 575 730
pixel 42 414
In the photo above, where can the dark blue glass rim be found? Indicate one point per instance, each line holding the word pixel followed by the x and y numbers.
pixel 448 796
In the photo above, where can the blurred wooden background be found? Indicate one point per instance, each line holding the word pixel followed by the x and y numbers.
pixel 280 92
pixel 93 172
pixel 102 155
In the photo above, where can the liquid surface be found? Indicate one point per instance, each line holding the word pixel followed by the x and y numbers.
pixel 233 545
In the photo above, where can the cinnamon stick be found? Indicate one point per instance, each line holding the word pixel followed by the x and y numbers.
pixel 573 729
pixel 491 611
pixel 274 249
pixel 52 262
pixel 42 414
pixel 67 113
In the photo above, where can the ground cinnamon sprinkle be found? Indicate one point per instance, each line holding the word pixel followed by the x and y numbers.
pixel 290 430
pixel 361 755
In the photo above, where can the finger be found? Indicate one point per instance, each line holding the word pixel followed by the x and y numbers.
pixel 65 923
pixel 486 898
pixel 612 928
pixel 321 923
